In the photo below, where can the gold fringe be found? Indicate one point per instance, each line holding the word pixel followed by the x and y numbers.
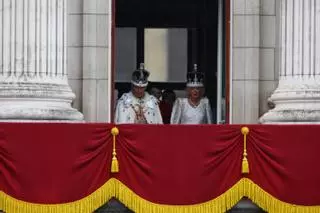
pixel 114 163
pixel 245 162
pixel 271 204
pixel 139 205
pixel 88 204
pixel 114 188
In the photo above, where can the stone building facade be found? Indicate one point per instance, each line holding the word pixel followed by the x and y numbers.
pixel 56 60
pixel 74 38
pixel 253 57
pixel 54 49
pixel 269 39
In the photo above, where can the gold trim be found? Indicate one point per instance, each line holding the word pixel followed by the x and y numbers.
pixel 114 188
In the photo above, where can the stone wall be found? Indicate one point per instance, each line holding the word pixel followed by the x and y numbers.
pixel 254 70
pixel 89 56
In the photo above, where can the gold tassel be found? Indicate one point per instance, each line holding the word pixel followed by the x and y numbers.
pixel 114 163
pixel 245 162
pixel 245 165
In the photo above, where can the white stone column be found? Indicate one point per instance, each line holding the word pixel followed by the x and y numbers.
pixel 33 71
pixel 297 98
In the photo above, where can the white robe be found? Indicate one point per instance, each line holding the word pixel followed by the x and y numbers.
pixel 128 105
pixel 184 113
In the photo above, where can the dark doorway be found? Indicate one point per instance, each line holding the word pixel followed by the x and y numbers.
pixel 198 17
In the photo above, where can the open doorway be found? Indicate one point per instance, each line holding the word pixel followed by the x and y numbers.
pixel 169 36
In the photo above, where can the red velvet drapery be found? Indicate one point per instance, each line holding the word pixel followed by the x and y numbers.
pixel 163 164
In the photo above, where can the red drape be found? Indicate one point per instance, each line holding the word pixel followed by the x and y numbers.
pixel 165 164
pixel 53 163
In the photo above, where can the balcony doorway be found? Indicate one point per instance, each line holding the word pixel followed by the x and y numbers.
pixel 169 37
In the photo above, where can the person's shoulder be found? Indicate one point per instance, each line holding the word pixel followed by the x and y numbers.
pixel 181 100
pixel 205 100
pixel 148 96
pixel 151 101
pixel 126 98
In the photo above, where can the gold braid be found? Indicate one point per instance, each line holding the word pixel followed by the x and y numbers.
pixel 139 113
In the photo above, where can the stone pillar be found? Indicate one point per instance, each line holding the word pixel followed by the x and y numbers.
pixel 297 98
pixel 97 69
pixel 33 71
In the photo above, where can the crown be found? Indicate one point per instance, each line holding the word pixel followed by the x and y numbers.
pixel 140 76
pixel 195 78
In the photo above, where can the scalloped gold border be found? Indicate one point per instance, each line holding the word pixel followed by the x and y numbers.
pixel 114 188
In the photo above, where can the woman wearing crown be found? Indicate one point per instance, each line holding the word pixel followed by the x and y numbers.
pixel 195 109
pixel 138 106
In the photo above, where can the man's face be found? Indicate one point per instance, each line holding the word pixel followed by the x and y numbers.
pixel 195 92
pixel 138 92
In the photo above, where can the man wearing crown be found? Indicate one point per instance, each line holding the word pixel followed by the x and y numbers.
pixel 195 109
pixel 138 106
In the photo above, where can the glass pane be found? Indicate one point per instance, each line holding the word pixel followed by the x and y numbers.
pixel 166 54
pixel 125 53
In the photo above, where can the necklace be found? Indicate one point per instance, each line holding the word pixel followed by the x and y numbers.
pixel 194 105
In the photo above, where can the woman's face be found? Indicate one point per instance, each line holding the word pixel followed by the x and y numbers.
pixel 195 92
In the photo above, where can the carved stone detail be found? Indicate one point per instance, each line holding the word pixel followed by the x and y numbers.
pixel 33 71
pixel 297 98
